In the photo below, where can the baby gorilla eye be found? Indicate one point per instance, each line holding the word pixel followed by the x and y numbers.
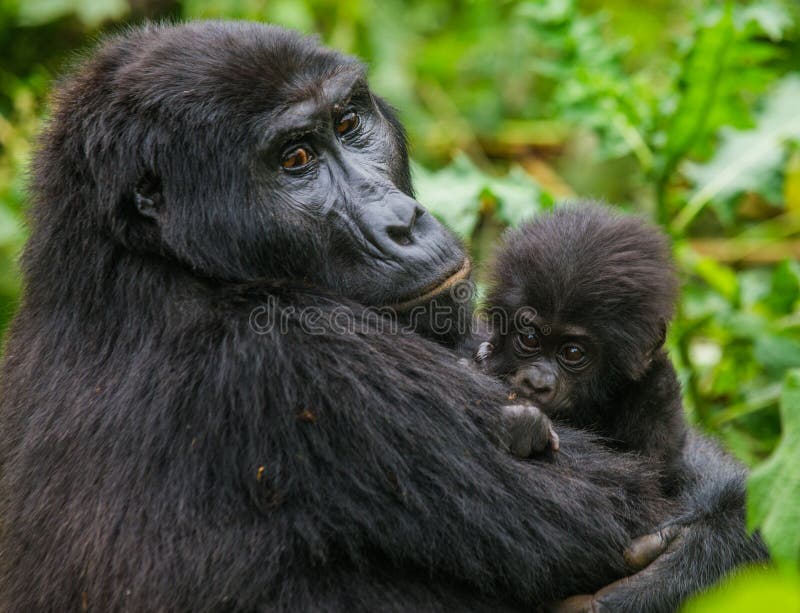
pixel 527 343
pixel 347 123
pixel 573 354
pixel 297 158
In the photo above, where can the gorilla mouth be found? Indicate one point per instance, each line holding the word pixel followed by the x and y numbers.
pixel 436 288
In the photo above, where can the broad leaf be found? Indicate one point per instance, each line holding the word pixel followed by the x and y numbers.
pixel 747 159
pixel 774 486
pixel 770 17
pixel 751 590
pixel 456 193
pixel 91 12
pixel 451 193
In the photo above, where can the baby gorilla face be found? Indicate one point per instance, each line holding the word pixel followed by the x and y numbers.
pixel 554 366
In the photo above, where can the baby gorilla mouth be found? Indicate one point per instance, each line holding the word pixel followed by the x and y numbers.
pixel 437 288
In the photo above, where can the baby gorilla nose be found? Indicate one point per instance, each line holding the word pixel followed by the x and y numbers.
pixel 537 382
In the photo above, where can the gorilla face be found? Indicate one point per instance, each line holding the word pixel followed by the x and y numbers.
pixel 588 294
pixel 338 161
pixel 277 142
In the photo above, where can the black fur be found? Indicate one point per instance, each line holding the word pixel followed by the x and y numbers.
pixel 159 455
pixel 585 267
pixel 609 277
pixel 715 543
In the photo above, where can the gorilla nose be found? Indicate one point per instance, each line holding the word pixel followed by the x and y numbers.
pixel 400 232
pixel 402 214
pixel 392 223
pixel 538 384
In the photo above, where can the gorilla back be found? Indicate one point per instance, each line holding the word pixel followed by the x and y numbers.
pixel 160 452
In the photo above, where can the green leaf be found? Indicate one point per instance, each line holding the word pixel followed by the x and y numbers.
pixel 776 353
pixel 771 18
pixel 518 196
pixel 785 288
pixel 720 277
pixel 702 72
pixel 91 12
pixel 747 159
pixel 751 590
pixel 773 501
pixel 457 193
pixel 451 193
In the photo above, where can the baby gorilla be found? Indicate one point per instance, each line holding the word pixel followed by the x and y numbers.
pixel 579 304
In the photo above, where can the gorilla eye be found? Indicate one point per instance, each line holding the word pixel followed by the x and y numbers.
pixel 573 355
pixel 527 343
pixel 297 158
pixel 347 123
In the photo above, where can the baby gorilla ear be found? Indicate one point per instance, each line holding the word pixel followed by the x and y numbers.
pixel 650 355
pixel 147 196
pixel 141 214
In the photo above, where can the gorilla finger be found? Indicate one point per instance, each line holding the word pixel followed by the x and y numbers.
pixel 645 549
pixel 484 352
pixel 529 430
pixel 554 440
pixel 584 603
pixel 611 589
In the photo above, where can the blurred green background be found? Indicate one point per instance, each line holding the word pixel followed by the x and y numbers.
pixel 688 112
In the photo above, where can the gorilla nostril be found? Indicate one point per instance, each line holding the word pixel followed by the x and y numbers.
pixel 418 212
pixel 401 236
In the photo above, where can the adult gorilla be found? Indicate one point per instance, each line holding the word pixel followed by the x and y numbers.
pixel 158 454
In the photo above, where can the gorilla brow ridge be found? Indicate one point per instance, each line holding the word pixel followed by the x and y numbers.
pixel 304 111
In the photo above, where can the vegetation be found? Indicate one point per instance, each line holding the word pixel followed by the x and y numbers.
pixel 688 112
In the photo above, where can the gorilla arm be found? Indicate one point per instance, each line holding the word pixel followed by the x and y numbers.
pixel 691 552
pixel 376 448
pixel 314 468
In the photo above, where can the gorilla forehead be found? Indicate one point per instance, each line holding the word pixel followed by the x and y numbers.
pixel 232 67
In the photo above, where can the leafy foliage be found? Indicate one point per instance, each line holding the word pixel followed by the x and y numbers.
pixel 774 486
pixel 461 193
pixel 747 161
pixel 755 590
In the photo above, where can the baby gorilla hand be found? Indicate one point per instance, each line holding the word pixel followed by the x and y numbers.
pixel 528 430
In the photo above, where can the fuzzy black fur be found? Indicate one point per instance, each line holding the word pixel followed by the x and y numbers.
pixel 585 267
pixel 584 263
pixel 714 544
pixel 159 455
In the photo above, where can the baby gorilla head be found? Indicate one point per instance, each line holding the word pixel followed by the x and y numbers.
pixel 579 303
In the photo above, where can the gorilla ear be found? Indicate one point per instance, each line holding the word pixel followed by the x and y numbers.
pixel 646 356
pixel 147 196
pixel 662 338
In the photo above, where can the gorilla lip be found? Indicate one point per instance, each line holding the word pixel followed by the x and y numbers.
pixel 428 293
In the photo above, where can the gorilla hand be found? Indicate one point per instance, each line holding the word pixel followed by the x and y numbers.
pixel 527 430
pixel 642 557
pixel 646 549
pixel 524 428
